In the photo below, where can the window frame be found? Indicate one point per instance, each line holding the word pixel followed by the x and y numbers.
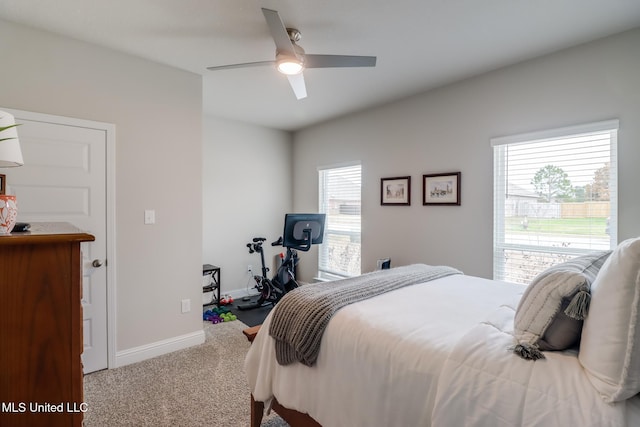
pixel 324 272
pixel 500 182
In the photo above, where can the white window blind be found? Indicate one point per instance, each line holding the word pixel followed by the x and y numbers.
pixel 340 195
pixel 555 197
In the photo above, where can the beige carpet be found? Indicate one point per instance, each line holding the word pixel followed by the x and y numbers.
pixel 201 386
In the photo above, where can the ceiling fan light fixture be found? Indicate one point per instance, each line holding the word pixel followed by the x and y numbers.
pixel 289 66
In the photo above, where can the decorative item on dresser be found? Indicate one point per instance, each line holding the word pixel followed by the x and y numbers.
pixel 41 379
pixel 8 213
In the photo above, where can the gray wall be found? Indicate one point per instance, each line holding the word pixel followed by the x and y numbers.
pixel 246 192
pixel 448 130
pixel 157 111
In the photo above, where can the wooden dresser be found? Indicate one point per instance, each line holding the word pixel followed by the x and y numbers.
pixel 41 326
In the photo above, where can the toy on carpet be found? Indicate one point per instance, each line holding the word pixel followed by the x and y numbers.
pixel 218 315
pixel 226 300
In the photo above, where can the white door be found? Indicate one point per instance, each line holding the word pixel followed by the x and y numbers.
pixel 64 179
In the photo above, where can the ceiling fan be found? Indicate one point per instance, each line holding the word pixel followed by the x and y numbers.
pixel 292 60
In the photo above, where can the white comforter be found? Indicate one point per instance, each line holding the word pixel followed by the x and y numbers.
pixel 422 356
pixel 483 384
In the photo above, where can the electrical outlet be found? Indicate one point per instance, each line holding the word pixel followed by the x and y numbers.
pixel 249 268
pixel 186 305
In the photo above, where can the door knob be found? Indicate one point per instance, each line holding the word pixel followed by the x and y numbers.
pixel 96 263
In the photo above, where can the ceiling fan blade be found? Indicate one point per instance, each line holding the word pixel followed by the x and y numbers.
pixel 297 84
pixel 329 61
pixel 278 32
pixel 243 65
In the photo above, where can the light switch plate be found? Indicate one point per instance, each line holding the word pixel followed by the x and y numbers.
pixel 149 216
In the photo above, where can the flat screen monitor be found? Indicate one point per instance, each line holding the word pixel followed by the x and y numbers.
pixel 301 230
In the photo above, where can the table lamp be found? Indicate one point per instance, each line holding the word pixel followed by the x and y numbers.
pixel 10 156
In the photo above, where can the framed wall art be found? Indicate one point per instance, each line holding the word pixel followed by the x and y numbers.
pixel 441 189
pixel 395 191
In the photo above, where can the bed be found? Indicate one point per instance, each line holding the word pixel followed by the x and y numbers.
pixel 441 353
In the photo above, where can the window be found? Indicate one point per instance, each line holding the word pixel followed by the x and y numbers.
pixel 555 198
pixel 340 190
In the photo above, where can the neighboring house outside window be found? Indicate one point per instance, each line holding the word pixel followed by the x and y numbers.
pixel 555 197
pixel 340 199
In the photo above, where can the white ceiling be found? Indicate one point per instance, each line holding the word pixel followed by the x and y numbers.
pixel 420 44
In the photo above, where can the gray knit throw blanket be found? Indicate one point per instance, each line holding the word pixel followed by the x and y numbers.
pixel 300 318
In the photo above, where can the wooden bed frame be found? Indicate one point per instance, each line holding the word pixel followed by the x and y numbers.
pixel 292 417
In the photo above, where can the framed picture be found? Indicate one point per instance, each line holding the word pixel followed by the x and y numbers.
pixel 441 189
pixel 395 191
pixel 3 183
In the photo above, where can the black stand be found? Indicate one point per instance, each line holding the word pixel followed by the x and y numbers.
pixel 215 286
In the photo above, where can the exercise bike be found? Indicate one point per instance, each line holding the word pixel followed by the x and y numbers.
pixel 272 290
pixel 300 232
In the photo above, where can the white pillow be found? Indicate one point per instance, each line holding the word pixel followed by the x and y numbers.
pixel 552 308
pixel 610 346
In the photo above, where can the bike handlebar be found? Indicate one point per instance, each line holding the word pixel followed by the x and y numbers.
pixel 256 246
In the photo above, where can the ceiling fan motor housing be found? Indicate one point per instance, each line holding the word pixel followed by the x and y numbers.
pixel 294 35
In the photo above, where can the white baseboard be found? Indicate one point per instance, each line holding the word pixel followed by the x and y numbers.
pixel 158 348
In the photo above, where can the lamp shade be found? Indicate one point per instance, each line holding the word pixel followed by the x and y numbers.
pixel 10 153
